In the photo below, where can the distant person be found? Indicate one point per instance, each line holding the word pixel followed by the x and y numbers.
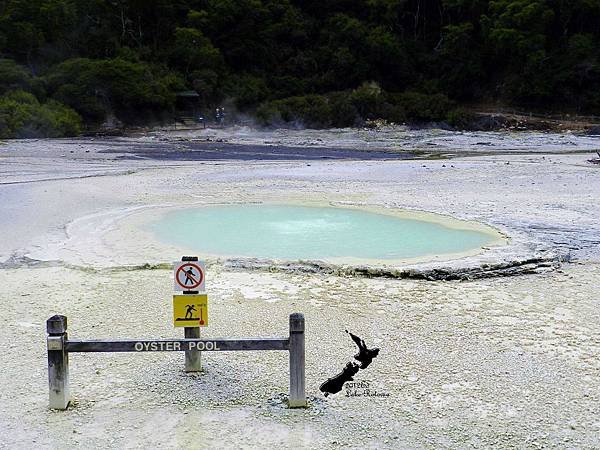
pixel 220 115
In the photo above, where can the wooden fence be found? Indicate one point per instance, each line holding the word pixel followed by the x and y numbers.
pixel 59 347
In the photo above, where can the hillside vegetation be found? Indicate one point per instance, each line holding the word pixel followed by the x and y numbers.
pixel 66 64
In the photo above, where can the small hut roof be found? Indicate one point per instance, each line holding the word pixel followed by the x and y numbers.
pixel 187 94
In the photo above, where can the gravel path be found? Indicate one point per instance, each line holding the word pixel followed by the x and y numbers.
pixel 494 363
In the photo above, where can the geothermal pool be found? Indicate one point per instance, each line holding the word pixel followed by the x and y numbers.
pixel 300 232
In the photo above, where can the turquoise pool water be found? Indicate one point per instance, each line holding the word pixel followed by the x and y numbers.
pixel 299 232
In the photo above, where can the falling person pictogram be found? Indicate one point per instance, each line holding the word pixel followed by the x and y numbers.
pixel 189 312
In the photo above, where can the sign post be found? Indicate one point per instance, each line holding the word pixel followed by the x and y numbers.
pixel 189 278
pixel 190 310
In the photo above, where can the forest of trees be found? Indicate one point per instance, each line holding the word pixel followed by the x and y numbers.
pixel 70 64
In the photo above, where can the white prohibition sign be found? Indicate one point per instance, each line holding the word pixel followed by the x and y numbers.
pixel 189 276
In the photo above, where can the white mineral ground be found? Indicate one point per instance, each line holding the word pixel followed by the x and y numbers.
pixel 485 362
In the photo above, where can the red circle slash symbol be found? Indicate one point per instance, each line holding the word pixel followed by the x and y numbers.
pixel 189 276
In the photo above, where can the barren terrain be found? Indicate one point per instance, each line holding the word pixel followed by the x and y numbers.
pixel 500 361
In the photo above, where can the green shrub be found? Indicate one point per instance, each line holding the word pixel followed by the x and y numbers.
pixel 352 108
pixel 345 113
pixel 368 99
pixel 460 118
pixel 313 111
pixel 267 114
pixel 246 90
pixel 419 107
pixel 130 90
pixel 22 116
pixel 13 76
pixel 21 97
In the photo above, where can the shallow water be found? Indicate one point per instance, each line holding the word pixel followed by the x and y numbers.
pixel 299 232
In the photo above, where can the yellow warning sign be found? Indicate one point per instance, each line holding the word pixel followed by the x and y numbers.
pixel 190 310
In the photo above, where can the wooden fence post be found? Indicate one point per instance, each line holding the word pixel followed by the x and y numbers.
pixel 193 358
pixel 297 397
pixel 58 362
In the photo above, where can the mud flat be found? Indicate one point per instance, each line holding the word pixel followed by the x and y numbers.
pixel 470 359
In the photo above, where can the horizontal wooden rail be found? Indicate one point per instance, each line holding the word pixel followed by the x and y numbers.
pixel 176 345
